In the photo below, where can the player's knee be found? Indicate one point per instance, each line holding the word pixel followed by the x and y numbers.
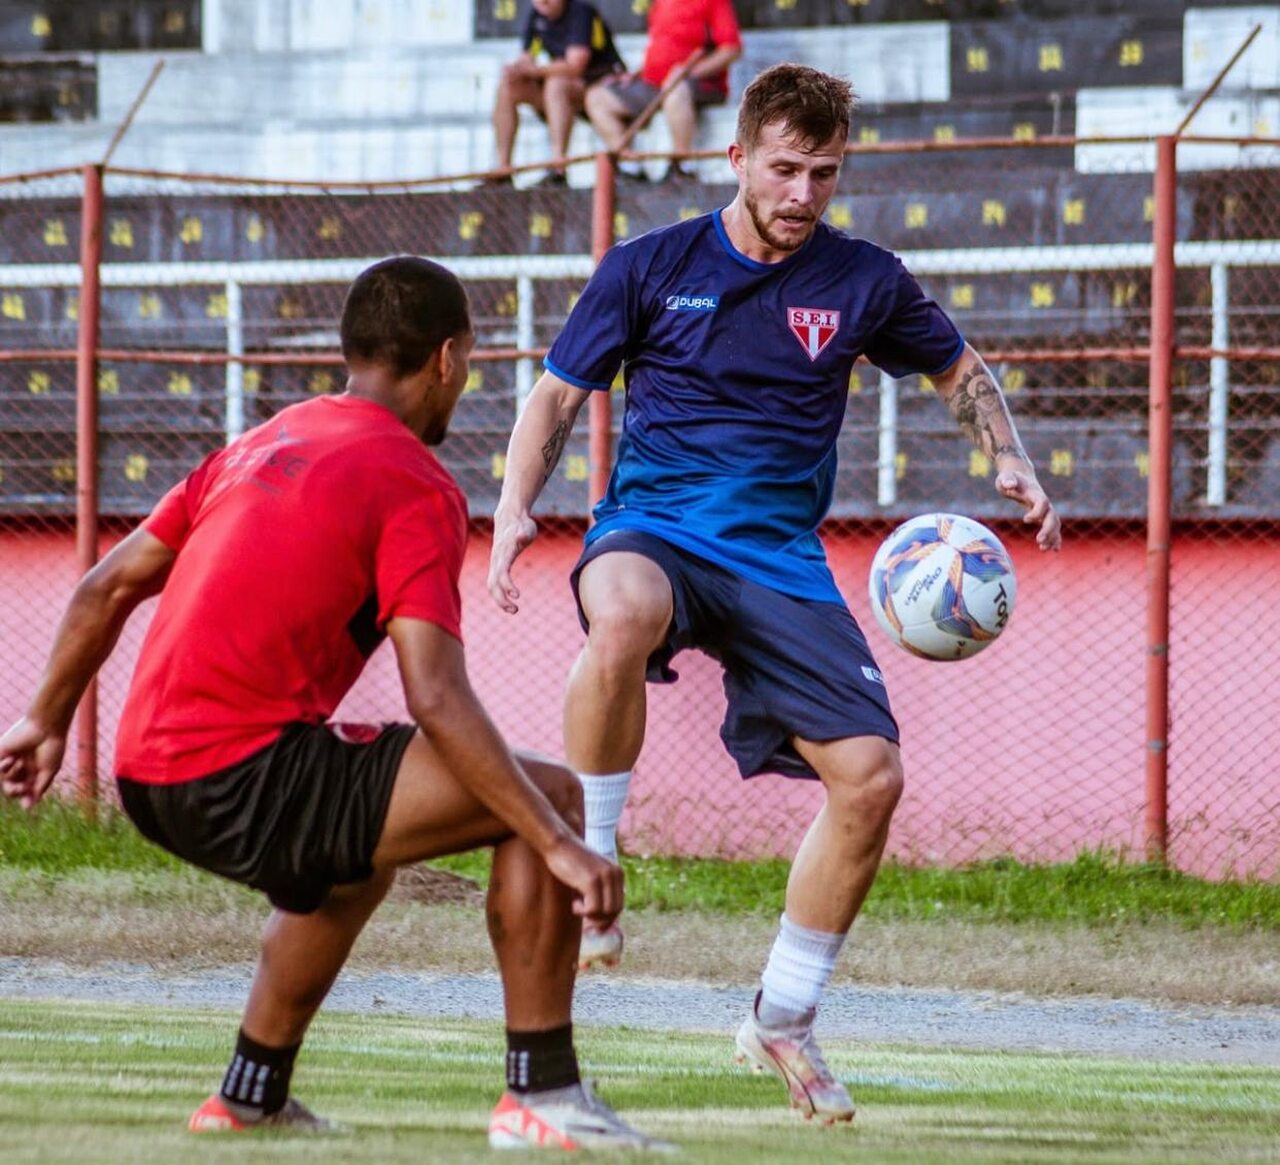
pixel 624 626
pixel 560 786
pixel 871 790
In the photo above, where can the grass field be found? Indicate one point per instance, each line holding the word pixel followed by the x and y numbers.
pixel 85 1083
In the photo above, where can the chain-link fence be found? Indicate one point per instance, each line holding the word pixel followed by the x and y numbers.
pixel 219 305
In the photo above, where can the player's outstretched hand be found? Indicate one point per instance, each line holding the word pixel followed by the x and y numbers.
pixel 510 538
pixel 596 882
pixel 1026 491
pixel 30 758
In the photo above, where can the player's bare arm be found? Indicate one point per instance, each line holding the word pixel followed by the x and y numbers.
pixel 536 445
pixel 975 399
pixel 442 703
pixel 31 751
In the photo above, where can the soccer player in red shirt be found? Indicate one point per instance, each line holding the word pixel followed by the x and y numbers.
pixel 677 29
pixel 281 563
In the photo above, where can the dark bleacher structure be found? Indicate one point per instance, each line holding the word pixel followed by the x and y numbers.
pixel 1015 66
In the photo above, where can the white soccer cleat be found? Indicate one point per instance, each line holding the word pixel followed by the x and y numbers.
pixel 600 949
pixel 793 1054
pixel 568 1119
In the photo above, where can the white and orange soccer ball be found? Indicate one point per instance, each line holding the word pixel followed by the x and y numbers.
pixel 942 586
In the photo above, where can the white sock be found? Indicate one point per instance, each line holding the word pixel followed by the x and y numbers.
pixel 799 966
pixel 605 794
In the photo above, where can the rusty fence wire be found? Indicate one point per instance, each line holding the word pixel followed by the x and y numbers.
pixel 220 303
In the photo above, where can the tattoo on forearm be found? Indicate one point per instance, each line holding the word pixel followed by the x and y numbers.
pixel 979 406
pixel 553 448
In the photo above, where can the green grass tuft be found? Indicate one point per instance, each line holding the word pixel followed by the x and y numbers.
pixel 1096 889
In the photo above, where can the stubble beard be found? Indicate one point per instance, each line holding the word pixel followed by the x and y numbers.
pixel 777 242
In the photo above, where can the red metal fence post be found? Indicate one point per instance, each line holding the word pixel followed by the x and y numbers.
pixel 600 440
pixel 1159 485
pixel 87 456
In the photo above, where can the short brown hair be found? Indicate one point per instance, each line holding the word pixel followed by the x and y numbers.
pixel 813 106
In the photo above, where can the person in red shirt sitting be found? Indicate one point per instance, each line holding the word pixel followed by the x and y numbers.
pixel 677 29
pixel 282 562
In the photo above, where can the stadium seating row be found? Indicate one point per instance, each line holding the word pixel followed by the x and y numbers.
pixel 44 89
pixel 31 26
pixel 1094 469
pixel 898 205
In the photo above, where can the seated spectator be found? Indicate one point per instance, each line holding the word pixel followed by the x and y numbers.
pixel 567 49
pixel 677 29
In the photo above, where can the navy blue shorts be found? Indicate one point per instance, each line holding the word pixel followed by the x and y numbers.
pixel 792 667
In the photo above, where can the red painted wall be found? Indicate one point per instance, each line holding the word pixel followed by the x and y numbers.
pixel 1034 748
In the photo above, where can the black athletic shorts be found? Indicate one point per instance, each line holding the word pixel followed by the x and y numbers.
pixel 792 667
pixel 293 820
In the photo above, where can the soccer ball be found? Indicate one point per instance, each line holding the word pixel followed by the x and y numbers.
pixel 942 586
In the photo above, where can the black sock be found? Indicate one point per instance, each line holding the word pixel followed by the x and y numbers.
pixel 258 1076
pixel 538 1061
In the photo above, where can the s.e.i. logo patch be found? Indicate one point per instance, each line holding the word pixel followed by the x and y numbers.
pixel 814 327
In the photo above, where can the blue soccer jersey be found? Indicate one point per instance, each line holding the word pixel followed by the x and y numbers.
pixel 736 378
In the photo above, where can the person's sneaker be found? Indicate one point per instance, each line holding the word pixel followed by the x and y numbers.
pixel 793 1054
pixel 565 1118
pixel 217 1116
pixel 599 948
pixel 677 175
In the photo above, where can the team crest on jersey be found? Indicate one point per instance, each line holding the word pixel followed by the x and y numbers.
pixel 814 327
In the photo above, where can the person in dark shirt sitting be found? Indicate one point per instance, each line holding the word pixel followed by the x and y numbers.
pixel 566 48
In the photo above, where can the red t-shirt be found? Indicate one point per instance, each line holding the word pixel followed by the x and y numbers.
pixel 678 27
pixel 296 544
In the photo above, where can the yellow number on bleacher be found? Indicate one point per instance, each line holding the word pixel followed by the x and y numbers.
pixel 944 133
pixel 575 468
pixel 926 385
pixel 993 212
pixel 1073 212
pixel 469 224
pixel 252 380
pixel 330 228
pixel 1062 462
pixel 289 308
pixel 840 214
pixel 121 233
pixel 475 381
pixel 508 304
pixel 72 310
pixel 180 384
pixel 1131 53
pixel 498 466
pixel 979 463
pixel 1042 295
pixel 899 465
pixel 320 383
pixel 916 215
pixel 175 21
pixel 149 307
pixel 216 305
pixel 1050 58
pixel 621 225
pixel 254 229
pixel 1024 131
pixel 1124 293
pixel 64 471
pixel 136 466
pixel 13 306
pixel 1015 379
pixel 1142 463
pixel 192 230
pixel 109 382
pixel 868 135
pixel 785 5
pixel 55 233
pixel 39 383
pixel 977 59
pixel 504 9
pixel 641 7
pixel 41 26
pixel 540 225
pixel 962 295
pixel 1149 208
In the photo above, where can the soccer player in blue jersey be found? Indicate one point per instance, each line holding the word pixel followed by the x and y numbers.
pixel 738 332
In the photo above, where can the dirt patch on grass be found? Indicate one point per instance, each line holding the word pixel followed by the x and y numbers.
pixel 435 922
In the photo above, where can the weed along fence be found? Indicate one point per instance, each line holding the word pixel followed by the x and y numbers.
pixel 1129 303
